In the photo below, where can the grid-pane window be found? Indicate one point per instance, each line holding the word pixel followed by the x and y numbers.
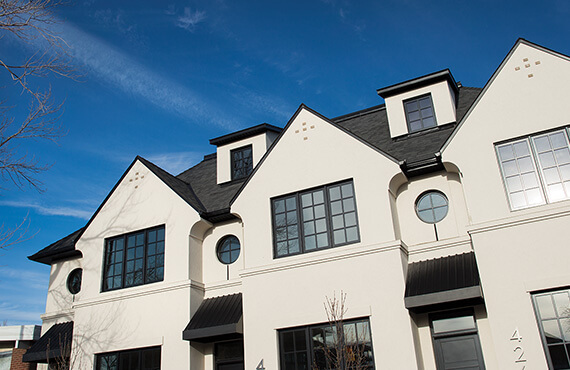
pixel 327 346
pixel 242 162
pixel 315 219
pixel 315 228
pixel 136 359
pixel 286 226
pixel 419 113
pixel 519 173
pixel 536 169
pixel 134 259
pixel 553 314
pixel 554 163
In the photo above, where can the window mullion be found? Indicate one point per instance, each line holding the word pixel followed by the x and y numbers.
pixel 328 218
pixel 124 263
pixel 538 169
pixel 145 255
pixel 300 223
pixel 309 348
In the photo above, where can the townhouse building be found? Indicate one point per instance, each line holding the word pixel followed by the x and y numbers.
pixel 437 218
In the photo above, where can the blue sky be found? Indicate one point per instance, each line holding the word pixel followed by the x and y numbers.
pixel 159 79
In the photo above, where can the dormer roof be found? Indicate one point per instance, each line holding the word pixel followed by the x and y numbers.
pixel 244 134
pixel 199 187
pixel 416 83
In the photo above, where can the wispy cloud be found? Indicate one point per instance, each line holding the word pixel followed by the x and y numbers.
pixel 133 78
pixel 22 295
pixel 263 103
pixel 49 211
pixel 117 20
pixel 16 314
pixel 190 19
pixel 175 163
pixel 28 278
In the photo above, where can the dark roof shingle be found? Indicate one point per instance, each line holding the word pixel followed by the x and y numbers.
pixel 199 188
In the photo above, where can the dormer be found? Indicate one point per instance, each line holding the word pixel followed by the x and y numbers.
pixel 239 152
pixel 421 103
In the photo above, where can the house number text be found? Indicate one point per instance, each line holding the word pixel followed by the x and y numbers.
pixel 518 349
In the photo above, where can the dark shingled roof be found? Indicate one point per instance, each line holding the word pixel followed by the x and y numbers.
pixel 55 343
pixel 216 318
pixel 203 179
pixel 183 189
pixel 199 188
pixel 63 248
pixel 371 125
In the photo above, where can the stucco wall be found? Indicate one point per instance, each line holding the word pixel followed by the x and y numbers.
pixel 443 104
pixel 302 159
pixel 512 106
pixel 140 316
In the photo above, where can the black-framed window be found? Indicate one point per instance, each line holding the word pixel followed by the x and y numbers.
pixel 74 281
pixel 536 169
pixel 229 355
pixel 315 219
pixel 316 347
pixel 456 340
pixel 432 206
pixel 419 113
pixel 553 316
pixel 134 259
pixel 228 249
pixel 242 162
pixel 134 359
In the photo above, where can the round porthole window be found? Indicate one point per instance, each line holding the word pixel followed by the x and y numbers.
pixel 432 207
pixel 74 281
pixel 228 249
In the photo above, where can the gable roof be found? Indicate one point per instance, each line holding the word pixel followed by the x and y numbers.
pixel 65 248
pixel 372 126
pixel 198 185
pixel 492 78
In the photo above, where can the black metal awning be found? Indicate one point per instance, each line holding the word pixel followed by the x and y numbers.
pixel 216 319
pixel 442 280
pixel 55 343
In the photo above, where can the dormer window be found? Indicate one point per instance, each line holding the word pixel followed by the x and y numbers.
pixel 419 113
pixel 411 105
pixel 242 162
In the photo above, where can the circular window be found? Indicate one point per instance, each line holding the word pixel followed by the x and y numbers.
pixel 74 281
pixel 431 207
pixel 228 249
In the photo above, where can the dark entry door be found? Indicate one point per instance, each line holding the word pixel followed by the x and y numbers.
pixel 459 352
pixel 231 366
pixel 456 341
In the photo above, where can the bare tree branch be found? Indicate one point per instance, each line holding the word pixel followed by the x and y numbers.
pixel 31 22
pixel 18 234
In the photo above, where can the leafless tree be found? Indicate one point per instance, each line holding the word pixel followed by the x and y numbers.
pixel 30 22
pixel 344 348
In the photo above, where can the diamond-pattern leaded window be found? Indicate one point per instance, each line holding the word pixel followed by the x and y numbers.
pixel 242 162
pixel 315 219
pixel 134 259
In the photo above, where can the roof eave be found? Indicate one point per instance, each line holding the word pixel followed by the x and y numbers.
pixel 416 83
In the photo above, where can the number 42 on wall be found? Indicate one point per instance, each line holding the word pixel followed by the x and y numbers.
pixel 518 350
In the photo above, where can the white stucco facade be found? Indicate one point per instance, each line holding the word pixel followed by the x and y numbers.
pixel 477 262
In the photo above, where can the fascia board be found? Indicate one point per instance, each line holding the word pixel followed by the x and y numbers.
pixel 291 120
pixel 519 42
